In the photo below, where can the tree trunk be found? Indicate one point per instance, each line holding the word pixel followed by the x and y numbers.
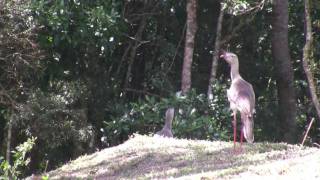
pixel 9 138
pixel 215 56
pixel 307 55
pixel 96 109
pixel 189 45
pixel 283 70
pixel 2 5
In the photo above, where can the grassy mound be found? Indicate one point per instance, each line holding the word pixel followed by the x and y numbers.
pixel 145 157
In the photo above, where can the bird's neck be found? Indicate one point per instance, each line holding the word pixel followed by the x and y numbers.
pixel 168 124
pixel 234 71
pixel 169 118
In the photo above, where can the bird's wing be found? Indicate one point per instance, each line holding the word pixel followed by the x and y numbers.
pixel 243 104
pixel 242 94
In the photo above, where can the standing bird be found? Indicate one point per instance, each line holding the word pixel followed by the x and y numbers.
pixel 166 131
pixel 241 97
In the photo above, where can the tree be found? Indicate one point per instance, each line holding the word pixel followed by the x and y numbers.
pixel 189 45
pixel 82 37
pixel 110 68
pixel 308 55
pixel 21 65
pixel 215 56
pixel 283 69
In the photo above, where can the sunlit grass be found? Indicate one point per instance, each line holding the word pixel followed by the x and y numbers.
pixel 147 157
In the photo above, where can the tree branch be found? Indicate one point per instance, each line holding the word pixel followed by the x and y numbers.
pixel 142 92
pixel 177 48
pixel 259 6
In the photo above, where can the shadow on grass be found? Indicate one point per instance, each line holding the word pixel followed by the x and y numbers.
pixel 172 161
pixel 159 165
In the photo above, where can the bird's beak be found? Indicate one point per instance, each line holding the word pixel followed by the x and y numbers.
pixel 222 53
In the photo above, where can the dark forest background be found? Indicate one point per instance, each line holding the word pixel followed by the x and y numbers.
pixel 84 75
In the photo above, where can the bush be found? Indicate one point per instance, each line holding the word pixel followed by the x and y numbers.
pixel 63 130
pixel 19 155
pixel 195 117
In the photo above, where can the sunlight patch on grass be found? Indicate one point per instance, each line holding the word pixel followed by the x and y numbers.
pixel 147 157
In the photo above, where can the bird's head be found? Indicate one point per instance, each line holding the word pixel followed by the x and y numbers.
pixel 229 57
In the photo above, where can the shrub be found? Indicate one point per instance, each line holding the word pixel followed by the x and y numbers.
pixel 20 161
pixel 195 117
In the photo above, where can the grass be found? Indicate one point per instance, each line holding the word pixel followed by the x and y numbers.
pixel 146 157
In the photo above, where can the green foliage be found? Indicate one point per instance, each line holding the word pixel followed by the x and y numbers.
pixel 46 177
pixel 78 48
pixel 193 117
pixel 47 116
pixel 78 33
pixel 21 64
pixel 58 121
pixel 19 160
pixel 21 67
pixel 75 21
pixel 235 7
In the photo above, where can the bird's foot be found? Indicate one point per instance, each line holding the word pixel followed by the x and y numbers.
pixel 238 151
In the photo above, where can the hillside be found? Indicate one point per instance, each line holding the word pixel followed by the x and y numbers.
pixel 145 157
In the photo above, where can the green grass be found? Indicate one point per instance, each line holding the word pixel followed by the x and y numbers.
pixel 146 157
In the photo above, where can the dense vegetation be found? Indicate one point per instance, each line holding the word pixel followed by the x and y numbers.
pixel 83 75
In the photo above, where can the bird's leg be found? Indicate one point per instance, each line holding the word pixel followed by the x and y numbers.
pixel 234 129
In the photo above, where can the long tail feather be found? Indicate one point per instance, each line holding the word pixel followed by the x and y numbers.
pixel 247 127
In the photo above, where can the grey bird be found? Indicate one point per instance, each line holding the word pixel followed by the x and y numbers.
pixel 166 131
pixel 241 97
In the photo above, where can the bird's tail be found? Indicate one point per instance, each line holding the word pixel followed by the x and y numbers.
pixel 247 127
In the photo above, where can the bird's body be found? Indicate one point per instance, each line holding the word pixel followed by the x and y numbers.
pixel 241 97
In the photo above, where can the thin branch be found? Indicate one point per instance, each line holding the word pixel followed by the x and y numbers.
pixel 124 56
pixel 133 51
pixel 307 132
pixel 236 29
pixel 178 47
pixel 144 14
pixel 142 92
pixel 136 39
pixel 257 7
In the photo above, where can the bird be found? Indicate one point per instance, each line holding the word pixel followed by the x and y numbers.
pixel 166 131
pixel 241 97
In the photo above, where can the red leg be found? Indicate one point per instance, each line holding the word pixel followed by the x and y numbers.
pixel 234 129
